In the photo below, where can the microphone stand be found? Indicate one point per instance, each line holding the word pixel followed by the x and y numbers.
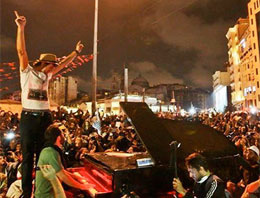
pixel 173 160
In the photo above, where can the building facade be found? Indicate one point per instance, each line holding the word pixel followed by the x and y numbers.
pixel 221 90
pixel 244 59
pixel 234 36
pixel 253 87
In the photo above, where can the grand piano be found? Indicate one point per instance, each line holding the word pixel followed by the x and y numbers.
pixel 150 174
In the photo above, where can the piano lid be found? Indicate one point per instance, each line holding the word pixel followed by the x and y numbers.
pixel 196 137
pixel 152 132
pixel 156 134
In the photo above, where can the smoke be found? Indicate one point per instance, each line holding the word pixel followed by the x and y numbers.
pixel 152 73
pixel 165 41
pixel 175 28
pixel 7 43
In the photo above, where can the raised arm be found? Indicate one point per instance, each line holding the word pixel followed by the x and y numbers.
pixel 20 41
pixel 69 58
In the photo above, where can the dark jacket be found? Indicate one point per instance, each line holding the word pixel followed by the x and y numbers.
pixel 212 187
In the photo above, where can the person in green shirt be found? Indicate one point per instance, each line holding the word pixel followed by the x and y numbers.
pixel 50 155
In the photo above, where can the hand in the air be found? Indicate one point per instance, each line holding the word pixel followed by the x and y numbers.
pixel 79 46
pixel 20 20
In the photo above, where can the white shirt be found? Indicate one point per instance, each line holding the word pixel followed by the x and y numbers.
pixel 34 85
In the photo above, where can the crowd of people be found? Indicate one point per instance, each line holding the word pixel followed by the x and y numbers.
pixel 102 133
pixel 243 129
pixel 83 134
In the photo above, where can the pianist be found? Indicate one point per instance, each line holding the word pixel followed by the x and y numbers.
pixel 51 155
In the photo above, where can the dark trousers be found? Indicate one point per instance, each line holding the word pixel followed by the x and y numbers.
pixel 32 128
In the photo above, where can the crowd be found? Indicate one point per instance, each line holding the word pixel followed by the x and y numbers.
pixel 102 133
pixel 243 129
pixel 83 134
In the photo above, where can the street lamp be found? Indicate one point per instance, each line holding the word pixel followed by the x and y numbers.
pixel 94 68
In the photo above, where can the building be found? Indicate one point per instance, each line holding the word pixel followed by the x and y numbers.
pixel 221 90
pixel 168 94
pixel 220 78
pixel 252 89
pixel 116 82
pixel 234 36
pixel 244 59
pixel 246 68
pixel 63 90
pixel 138 86
pixel 188 96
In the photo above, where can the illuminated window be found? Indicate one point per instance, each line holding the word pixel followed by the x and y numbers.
pixel 257 5
pixel 255 59
pixel 256 71
pixel 253 33
pixel 243 43
pixel 252 21
pixel 254 46
pixel 258 97
pixel 250 11
pixel 257 84
pixel 254 89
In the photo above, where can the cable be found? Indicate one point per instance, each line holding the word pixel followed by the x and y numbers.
pixel 173 12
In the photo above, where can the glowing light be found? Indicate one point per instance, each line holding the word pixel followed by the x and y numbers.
pixel 10 135
pixel 253 110
pixel 182 112
pixel 243 43
pixel 192 111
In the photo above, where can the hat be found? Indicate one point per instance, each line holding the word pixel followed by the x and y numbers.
pixel 52 58
pixel 255 149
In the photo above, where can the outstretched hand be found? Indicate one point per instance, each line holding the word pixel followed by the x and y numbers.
pixel 20 20
pixel 79 46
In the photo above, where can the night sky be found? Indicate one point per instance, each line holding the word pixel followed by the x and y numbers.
pixel 167 41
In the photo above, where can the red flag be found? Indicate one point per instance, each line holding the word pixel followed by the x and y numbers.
pixel 11 64
pixel 80 59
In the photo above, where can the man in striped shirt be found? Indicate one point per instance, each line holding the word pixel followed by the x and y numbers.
pixel 206 185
